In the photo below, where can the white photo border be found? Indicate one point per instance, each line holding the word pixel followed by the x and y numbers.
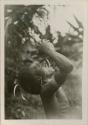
pixel 84 120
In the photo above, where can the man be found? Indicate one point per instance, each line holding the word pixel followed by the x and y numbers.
pixel 37 78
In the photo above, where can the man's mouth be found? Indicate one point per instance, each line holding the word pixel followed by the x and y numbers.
pixel 28 61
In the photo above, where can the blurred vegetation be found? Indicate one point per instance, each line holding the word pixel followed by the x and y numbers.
pixel 18 22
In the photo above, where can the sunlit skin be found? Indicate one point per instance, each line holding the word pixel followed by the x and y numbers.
pixel 36 78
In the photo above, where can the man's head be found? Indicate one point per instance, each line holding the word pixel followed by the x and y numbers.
pixel 29 75
pixel 33 71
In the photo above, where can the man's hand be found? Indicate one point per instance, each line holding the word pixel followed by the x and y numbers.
pixel 46 47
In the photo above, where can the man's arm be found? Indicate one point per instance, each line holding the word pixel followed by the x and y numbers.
pixel 62 62
pixel 47 94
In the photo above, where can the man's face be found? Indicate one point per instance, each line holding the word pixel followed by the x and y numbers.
pixel 28 54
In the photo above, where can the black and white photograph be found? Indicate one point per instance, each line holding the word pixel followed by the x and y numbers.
pixel 43 61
